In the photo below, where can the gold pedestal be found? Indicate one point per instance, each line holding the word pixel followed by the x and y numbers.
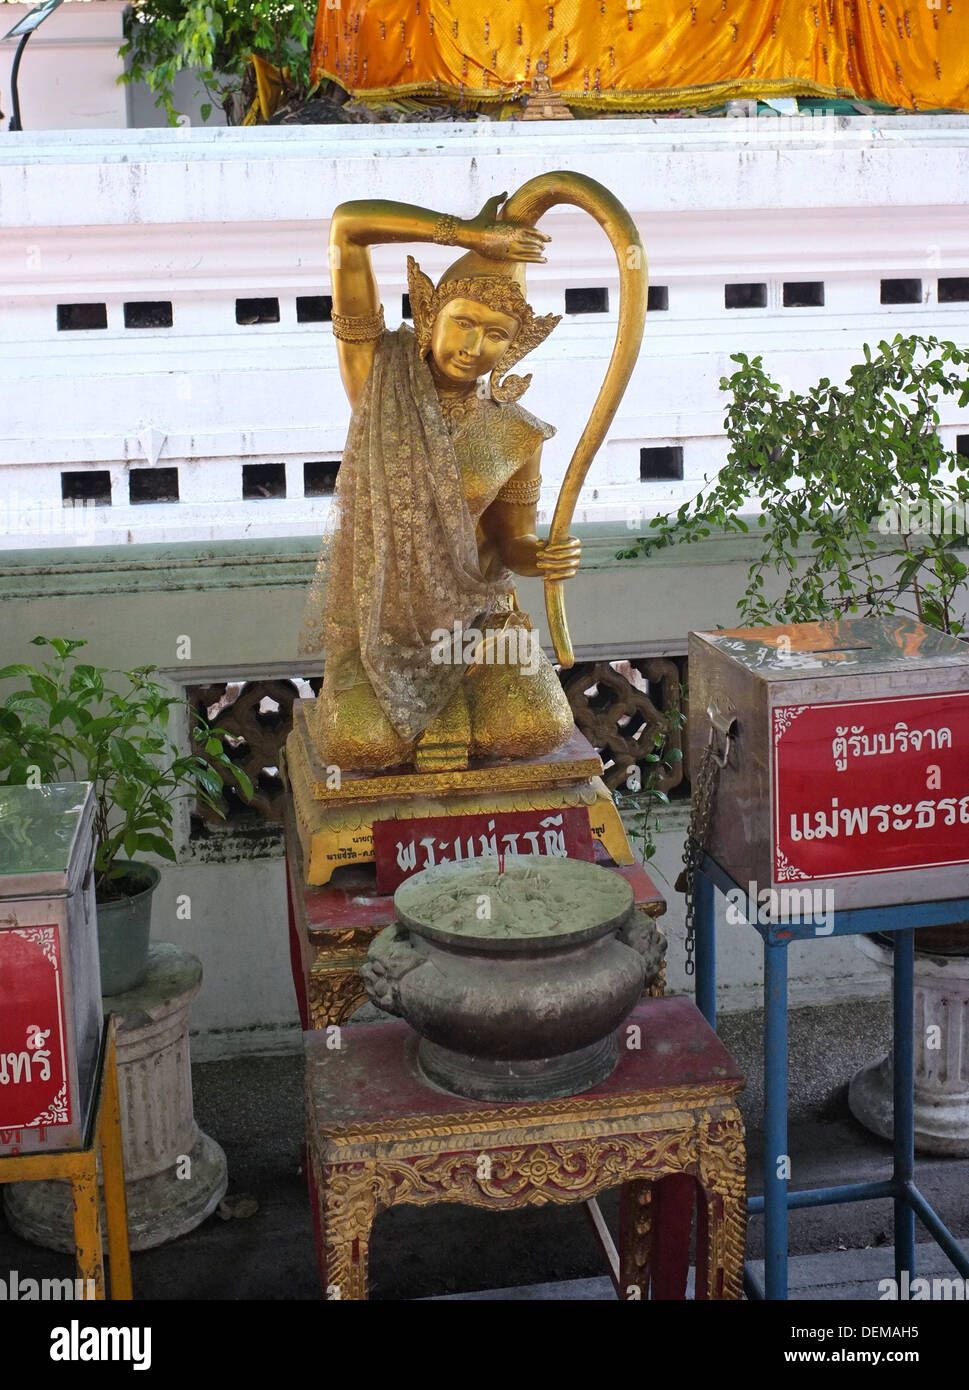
pixel 335 812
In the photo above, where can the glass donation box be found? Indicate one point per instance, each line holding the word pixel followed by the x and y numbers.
pixel 50 980
pixel 844 751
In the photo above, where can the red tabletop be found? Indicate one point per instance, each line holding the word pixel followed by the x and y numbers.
pixel 372 1079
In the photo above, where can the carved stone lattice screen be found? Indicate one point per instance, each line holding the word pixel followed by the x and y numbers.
pixel 619 705
pixel 257 717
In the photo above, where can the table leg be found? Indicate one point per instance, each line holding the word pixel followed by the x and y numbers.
pixel 776 1157
pixel 89 1253
pixel 903 1077
pixel 674 1202
pixel 635 1238
pixel 346 1208
pixel 296 954
pixel 112 1171
pixel 720 1230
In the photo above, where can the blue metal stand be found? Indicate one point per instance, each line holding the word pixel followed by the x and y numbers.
pixel 902 921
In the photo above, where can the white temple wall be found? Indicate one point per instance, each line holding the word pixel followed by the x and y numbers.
pixel 199 219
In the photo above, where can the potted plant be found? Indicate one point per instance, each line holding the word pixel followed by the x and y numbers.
pixel 846 478
pixel 72 722
pixel 863 511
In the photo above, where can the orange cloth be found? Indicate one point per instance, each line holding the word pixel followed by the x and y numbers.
pixel 649 54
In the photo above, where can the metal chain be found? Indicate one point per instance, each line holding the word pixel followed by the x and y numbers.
pixel 704 797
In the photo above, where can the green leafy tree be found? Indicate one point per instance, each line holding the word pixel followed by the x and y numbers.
pixel 69 722
pixel 216 38
pixel 862 508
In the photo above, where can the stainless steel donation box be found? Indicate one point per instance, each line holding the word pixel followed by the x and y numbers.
pixel 848 759
pixel 50 980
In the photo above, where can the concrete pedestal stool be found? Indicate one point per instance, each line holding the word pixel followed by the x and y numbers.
pixel 175 1176
pixel 941 1056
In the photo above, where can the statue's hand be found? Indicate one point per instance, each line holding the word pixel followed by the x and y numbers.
pixel 502 241
pixel 558 561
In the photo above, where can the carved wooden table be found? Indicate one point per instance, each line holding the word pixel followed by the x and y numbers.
pixel 378 1136
pixel 331 928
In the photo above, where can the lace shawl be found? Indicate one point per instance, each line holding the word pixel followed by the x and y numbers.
pixel 399 561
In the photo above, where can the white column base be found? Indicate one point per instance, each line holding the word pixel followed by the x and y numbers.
pixel 175 1176
pixel 941 1057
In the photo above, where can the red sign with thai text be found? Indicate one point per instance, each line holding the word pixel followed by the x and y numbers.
pixel 870 786
pixel 403 848
pixel 33 1071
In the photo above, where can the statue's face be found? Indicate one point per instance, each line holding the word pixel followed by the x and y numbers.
pixel 468 339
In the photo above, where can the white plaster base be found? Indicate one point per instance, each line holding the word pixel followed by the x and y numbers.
pixel 941 1073
pixel 175 1176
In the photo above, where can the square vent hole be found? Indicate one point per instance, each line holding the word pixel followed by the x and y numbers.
pixel 263 480
pixel 314 308
pixel 152 485
pixel 319 477
pixel 661 463
pixel 594 300
pixel 249 311
pixel 750 296
pixel 78 318
pixel 901 291
pixel 148 313
pixel 92 487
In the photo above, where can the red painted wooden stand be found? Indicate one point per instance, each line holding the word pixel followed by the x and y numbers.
pixel 665 1127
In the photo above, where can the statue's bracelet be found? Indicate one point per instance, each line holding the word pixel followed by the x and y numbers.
pixel 446 230
pixel 363 328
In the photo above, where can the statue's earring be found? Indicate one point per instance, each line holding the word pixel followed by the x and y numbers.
pixel 421 297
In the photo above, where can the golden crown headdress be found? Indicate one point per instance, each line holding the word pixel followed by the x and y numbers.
pixel 500 285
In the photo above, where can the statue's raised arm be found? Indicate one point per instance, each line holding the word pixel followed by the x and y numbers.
pixel 355 227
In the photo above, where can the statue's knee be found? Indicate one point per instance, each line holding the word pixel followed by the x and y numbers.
pixel 353 732
pixel 517 715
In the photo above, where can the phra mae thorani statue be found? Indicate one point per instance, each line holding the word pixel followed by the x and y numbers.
pixel 429 660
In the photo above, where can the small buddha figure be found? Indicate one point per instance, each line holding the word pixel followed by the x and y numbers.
pixel 544 103
pixel 429 660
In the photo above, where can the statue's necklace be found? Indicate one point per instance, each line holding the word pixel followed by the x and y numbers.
pixel 457 409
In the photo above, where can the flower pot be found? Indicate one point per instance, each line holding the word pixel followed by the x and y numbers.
pixel 124 929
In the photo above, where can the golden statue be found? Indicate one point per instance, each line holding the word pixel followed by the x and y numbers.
pixel 429 661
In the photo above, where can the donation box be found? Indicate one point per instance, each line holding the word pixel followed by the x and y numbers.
pixel 848 760
pixel 50 981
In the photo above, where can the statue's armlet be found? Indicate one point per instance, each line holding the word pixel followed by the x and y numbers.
pixel 520 490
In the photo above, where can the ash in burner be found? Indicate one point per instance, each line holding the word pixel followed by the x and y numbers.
pixel 524 901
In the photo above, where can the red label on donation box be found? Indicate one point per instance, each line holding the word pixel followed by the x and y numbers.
pixel 870 786
pixel 33 1079
pixel 403 848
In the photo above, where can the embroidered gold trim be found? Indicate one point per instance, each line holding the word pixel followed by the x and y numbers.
pixel 523 492
pixel 446 230
pixel 362 328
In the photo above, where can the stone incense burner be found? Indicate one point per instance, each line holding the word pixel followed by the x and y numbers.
pixel 514 980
